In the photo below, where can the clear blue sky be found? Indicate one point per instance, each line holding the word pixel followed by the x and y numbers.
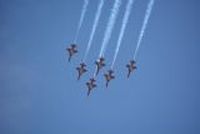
pixel 39 93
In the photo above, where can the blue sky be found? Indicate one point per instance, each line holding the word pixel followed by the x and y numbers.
pixel 39 92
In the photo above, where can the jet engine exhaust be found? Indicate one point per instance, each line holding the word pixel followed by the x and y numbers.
pixel 110 26
pixel 123 28
pixel 96 21
pixel 145 22
pixel 84 9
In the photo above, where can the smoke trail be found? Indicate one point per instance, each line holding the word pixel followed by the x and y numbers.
pixel 110 26
pixel 124 24
pixel 96 21
pixel 147 15
pixel 81 18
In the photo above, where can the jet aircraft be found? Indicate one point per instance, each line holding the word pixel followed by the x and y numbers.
pixel 99 64
pixel 131 67
pixel 81 70
pixel 72 50
pixel 91 84
pixel 109 76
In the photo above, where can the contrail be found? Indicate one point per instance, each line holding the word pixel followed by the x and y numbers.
pixel 84 9
pixel 96 21
pixel 147 15
pixel 124 24
pixel 110 25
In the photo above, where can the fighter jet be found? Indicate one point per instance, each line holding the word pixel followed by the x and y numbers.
pixel 100 64
pixel 81 70
pixel 109 76
pixel 91 84
pixel 72 50
pixel 131 67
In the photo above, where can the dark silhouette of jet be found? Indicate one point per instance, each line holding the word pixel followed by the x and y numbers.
pixel 131 67
pixel 99 64
pixel 81 70
pixel 91 84
pixel 109 76
pixel 72 50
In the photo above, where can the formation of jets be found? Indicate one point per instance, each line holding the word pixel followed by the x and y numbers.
pixel 100 63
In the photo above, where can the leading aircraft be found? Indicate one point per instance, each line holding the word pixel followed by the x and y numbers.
pixel 72 50
pixel 109 76
pixel 131 67
pixel 81 70
pixel 91 84
pixel 99 64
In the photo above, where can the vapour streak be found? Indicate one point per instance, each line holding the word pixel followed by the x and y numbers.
pixel 122 30
pixel 84 9
pixel 147 15
pixel 110 25
pixel 96 21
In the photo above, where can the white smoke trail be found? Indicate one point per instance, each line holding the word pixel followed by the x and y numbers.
pixel 124 24
pixel 96 21
pixel 110 26
pixel 84 9
pixel 147 15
